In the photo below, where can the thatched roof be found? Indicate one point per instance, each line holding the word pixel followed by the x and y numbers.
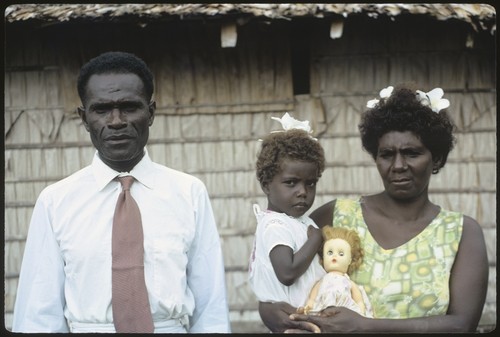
pixel 480 16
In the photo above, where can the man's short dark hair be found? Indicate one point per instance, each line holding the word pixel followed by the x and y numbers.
pixel 115 62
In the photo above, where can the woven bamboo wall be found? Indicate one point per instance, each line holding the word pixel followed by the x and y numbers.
pixel 214 104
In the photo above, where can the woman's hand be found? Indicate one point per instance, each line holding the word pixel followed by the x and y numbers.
pixel 276 316
pixel 333 319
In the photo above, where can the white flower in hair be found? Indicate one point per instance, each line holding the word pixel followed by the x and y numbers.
pixel 289 123
pixel 371 103
pixel 433 99
pixel 384 93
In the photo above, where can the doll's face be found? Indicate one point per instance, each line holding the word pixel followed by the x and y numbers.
pixel 336 255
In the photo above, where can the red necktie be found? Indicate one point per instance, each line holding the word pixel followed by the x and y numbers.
pixel 131 310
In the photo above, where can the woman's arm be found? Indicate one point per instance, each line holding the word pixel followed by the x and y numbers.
pixel 468 285
pixel 289 266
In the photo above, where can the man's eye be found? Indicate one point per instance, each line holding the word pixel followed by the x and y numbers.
pixel 101 110
pixel 128 108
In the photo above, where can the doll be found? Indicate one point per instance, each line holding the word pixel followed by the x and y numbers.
pixel 341 254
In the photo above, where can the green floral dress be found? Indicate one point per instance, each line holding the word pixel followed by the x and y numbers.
pixel 410 280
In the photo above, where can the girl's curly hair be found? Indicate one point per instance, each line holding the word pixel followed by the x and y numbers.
pixel 402 111
pixel 352 238
pixel 292 144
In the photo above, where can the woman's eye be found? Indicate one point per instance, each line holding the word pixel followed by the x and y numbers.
pixel 413 154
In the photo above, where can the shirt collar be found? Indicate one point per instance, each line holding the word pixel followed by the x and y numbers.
pixel 141 172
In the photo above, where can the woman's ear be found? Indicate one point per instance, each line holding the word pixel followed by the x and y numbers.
pixel 436 165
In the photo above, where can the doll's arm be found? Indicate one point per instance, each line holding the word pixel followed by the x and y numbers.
pixel 358 297
pixel 310 300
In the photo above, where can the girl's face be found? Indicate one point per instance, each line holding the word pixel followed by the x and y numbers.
pixel 336 255
pixel 293 189
pixel 404 164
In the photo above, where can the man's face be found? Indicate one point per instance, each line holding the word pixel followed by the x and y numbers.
pixel 117 115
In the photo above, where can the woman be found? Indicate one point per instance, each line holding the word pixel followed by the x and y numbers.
pixel 425 268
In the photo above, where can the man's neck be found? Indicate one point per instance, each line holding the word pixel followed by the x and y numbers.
pixel 124 165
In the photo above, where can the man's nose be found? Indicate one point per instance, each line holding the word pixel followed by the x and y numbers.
pixel 116 118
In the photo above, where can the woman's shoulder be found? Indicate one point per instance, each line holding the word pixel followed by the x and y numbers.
pixel 323 215
pixel 472 229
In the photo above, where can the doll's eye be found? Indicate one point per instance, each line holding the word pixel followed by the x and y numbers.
pixel 329 253
pixel 341 253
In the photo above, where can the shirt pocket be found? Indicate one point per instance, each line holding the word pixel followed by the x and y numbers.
pixel 171 244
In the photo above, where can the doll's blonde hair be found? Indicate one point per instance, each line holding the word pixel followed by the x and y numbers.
pixel 352 238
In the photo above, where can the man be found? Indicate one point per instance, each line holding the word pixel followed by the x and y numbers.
pixel 67 279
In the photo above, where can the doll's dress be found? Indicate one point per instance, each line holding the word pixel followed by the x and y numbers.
pixel 335 290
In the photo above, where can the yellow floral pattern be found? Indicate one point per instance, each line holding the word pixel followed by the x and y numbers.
pixel 410 280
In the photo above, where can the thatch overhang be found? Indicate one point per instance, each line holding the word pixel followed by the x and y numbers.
pixel 479 16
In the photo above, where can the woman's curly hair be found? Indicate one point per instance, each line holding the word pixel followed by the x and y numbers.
pixel 292 144
pixel 352 238
pixel 402 111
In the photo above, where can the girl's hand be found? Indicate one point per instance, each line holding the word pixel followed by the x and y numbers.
pixel 314 233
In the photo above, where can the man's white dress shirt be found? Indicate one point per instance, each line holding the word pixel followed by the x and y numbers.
pixel 65 280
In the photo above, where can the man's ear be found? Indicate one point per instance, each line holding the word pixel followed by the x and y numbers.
pixel 151 109
pixel 81 113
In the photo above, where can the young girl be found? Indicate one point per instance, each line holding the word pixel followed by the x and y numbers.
pixel 341 255
pixel 284 264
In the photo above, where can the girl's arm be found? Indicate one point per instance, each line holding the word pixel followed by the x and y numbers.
pixel 289 266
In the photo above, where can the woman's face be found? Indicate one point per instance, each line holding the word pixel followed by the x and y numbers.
pixel 404 164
